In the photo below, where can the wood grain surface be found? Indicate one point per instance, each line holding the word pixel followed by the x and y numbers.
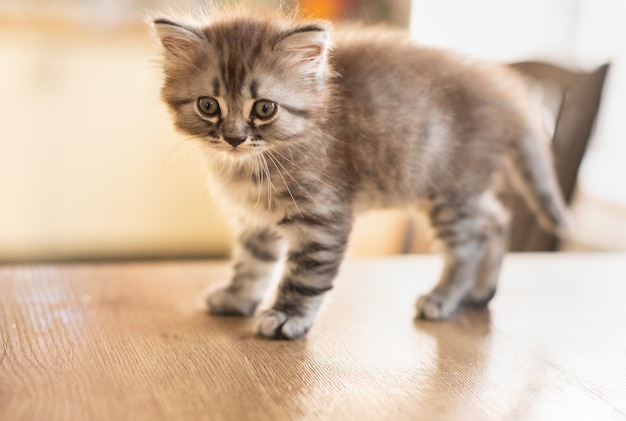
pixel 134 341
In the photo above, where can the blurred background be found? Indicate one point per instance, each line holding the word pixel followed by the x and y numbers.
pixel 91 168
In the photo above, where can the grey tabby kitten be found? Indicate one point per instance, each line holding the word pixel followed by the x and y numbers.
pixel 304 128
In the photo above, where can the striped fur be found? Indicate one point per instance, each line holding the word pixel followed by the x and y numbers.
pixel 355 120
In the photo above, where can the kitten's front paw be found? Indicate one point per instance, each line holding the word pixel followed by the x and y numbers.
pixel 275 324
pixel 435 306
pixel 226 302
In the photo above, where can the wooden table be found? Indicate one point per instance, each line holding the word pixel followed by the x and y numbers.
pixel 133 341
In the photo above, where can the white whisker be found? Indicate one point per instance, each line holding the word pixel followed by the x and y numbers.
pixel 270 186
pixel 290 176
pixel 307 173
pixel 274 161
pixel 259 177
pixel 167 165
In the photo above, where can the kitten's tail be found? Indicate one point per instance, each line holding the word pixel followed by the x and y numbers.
pixel 534 176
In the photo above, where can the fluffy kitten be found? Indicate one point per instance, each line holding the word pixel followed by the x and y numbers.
pixel 303 128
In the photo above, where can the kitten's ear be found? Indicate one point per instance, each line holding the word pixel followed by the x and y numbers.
pixel 180 41
pixel 307 47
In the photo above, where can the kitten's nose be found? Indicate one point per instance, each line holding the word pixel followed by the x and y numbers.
pixel 234 141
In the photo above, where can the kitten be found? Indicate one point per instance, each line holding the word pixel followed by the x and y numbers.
pixel 303 128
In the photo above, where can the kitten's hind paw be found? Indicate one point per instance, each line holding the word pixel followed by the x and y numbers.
pixel 435 306
pixel 227 302
pixel 274 324
pixel 480 298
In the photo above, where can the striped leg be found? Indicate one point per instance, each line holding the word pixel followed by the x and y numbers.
pixel 255 259
pixel 317 246
pixel 473 251
pixel 497 231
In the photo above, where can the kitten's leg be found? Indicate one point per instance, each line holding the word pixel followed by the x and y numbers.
pixel 463 231
pixel 255 258
pixel 317 246
pixel 497 231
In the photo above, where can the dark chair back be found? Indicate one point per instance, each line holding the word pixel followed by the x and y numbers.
pixel 576 106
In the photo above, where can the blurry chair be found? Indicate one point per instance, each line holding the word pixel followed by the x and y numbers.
pixel 572 100
pixel 574 97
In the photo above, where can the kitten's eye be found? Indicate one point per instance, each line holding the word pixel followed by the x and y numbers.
pixel 208 106
pixel 264 109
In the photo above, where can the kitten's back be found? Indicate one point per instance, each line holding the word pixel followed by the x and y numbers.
pixel 438 121
pixel 423 109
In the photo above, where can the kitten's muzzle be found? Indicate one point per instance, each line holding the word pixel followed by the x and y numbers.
pixel 235 141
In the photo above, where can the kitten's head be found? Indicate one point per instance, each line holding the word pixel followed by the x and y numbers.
pixel 245 84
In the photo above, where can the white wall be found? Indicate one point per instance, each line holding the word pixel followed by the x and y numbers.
pixel 602 37
pixel 501 30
